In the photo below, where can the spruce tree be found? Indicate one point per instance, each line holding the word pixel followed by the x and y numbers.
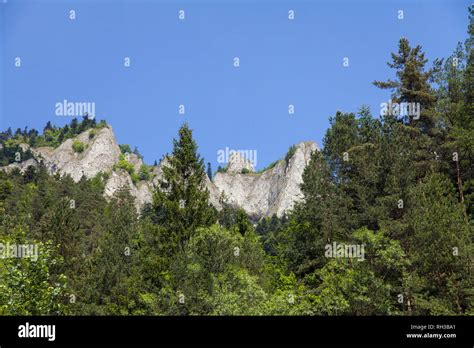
pixel 412 84
pixel 408 143
pixel 47 127
pixel 439 245
pixel 182 197
pixel 209 170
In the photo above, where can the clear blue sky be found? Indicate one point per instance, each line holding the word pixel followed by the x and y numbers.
pixel 190 62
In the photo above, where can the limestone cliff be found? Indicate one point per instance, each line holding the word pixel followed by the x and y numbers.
pixel 273 191
pixel 100 154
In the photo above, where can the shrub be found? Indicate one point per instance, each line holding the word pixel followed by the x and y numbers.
pixel 135 177
pixel 290 153
pixel 125 148
pixel 222 169
pixel 99 181
pixel 244 171
pixel 101 124
pixel 105 176
pixel 144 173
pixel 78 146
pixel 125 165
pixel 270 166
pixel 92 133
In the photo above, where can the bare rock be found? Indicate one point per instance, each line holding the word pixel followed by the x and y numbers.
pixel 101 153
pixel 238 162
pixel 22 166
pixel 273 191
pixel 142 191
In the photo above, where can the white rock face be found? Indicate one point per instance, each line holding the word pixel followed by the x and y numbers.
pixel 136 161
pixel 100 155
pixel 214 193
pixel 272 192
pixel 142 191
pixel 238 162
pixel 22 166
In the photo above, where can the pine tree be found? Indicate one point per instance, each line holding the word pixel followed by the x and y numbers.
pixel 74 126
pixel 182 197
pixel 412 84
pixel 47 127
pixel 460 78
pixel 113 257
pixel 437 231
pixel 408 144
pixel 209 170
pixel 242 221
pixel 321 218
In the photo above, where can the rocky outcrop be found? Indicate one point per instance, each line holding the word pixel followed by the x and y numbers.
pixel 135 160
pixel 100 154
pixel 273 191
pixel 214 193
pixel 142 191
pixel 238 163
pixel 21 166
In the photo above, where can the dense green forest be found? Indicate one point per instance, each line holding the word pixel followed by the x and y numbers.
pixel 402 186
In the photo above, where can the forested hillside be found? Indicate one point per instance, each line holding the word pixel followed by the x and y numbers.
pixel 399 187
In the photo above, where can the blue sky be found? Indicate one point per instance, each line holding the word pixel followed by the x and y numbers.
pixel 191 62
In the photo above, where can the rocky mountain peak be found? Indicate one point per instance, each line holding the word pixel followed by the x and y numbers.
pixel 100 153
pixel 238 161
pixel 272 191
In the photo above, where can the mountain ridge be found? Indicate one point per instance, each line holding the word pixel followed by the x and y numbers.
pixel 274 190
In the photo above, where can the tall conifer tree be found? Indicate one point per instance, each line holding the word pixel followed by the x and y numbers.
pixel 182 198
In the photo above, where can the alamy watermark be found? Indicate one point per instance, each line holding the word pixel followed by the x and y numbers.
pixel 400 109
pixel 37 331
pixel 224 155
pixel 336 250
pixel 8 251
pixel 76 109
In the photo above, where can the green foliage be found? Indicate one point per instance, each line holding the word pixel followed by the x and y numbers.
pixel 209 170
pixel 244 171
pixel 290 153
pixel 125 148
pixel 236 292
pixel 217 273
pixel 27 286
pixel 182 197
pixel 135 177
pixel 439 232
pixel 270 166
pixel 78 146
pixel 222 169
pixel 232 217
pixel 92 133
pixel 362 287
pixel 52 136
pixel 392 186
pixel 113 259
pixel 383 175
pixel 11 152
pixel 125 165
pixel 145 172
